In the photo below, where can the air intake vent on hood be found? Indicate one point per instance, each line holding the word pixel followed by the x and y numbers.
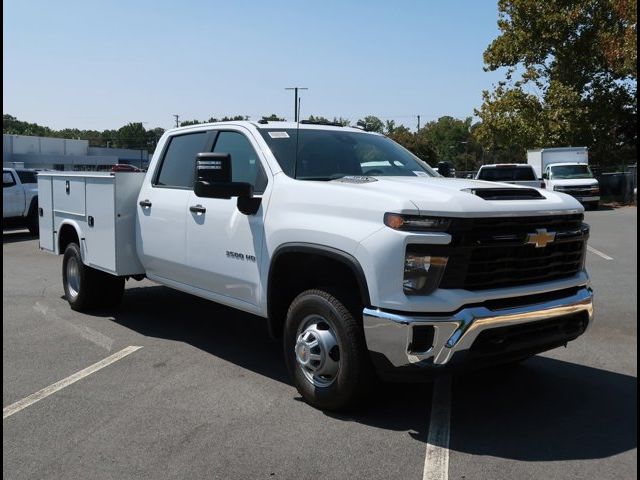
pixel 506 193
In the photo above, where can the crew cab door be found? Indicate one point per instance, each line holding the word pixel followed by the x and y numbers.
pixel 163 208
pixel 223 244
pixel 13 200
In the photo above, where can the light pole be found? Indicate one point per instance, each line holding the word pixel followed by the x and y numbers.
pixel 296 105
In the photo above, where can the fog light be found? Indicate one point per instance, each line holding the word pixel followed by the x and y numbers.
pixel 422 273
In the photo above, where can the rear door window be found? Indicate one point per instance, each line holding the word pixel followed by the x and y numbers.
pixel 179 161
pixel 27 177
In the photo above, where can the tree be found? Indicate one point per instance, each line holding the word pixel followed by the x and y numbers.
pixel 371 124
pixel 11 125
pixel 451 140
pixel 570 78
pixel 132 135
pixel 273 118
pixel 416 144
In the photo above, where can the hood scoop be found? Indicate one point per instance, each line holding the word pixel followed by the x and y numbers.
pixel 505 193
pixel 356 179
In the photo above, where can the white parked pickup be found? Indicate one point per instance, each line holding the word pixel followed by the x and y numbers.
pixel 361 259
pixel 20 198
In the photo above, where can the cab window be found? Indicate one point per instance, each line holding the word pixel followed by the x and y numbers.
pixel 245 164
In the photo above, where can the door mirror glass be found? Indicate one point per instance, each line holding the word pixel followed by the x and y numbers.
pixel 545 176
pixel 214 178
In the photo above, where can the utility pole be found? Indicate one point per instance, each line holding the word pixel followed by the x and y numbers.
pixel 177 117
pixel 418 122
pixel 295 101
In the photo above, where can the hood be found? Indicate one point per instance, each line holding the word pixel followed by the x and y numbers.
pixel 447 196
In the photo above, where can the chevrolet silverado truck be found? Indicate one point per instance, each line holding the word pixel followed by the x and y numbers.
pixel 20 198
pixel 363 260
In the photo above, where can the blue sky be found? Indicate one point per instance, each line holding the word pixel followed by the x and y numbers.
pixel 90 64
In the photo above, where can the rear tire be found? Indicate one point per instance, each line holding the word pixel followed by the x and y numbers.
pixel 87 288
pixel 325 351
pixel 33 222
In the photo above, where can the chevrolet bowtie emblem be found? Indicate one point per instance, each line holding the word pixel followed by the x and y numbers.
pixel 541 238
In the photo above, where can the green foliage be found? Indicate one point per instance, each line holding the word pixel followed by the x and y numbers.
pixel 416 144
pixel 571 79
pixel 452 140
pixel 320 119
pixel 132 135
pixel 13 126
pixel 371 124
pixel 273 118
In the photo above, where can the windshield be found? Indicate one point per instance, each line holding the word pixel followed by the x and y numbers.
pixel 331 154
pixel 507 174
pixel 570 171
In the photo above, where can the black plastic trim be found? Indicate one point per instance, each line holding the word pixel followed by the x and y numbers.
pixel 323 250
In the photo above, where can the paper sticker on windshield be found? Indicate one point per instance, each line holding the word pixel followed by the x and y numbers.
pixel 278 134
pixel 420 174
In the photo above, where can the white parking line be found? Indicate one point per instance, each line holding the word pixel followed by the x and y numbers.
pixel 436 460
pixel 51 389
pixel 85 332
pixel 599 253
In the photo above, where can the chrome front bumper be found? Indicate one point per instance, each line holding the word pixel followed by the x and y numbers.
pixel 390 335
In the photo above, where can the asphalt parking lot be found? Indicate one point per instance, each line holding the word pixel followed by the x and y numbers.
pixel 207 395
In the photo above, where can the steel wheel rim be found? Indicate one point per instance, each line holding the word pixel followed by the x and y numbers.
pixel 73 277
pixel 317 351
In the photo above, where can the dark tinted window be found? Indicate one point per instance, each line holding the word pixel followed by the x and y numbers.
pixel 245 164
pixel 7 179
pixel 329 154
pixel 27 177
pixel 179 162
pixel 507 174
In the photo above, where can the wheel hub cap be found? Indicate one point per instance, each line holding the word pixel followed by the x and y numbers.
pixel 317 352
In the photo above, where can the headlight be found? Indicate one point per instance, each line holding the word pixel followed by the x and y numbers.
pixel 416 223
pixel 422 273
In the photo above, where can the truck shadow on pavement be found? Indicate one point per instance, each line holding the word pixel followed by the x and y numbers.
pixel 540 410
pixel 544 410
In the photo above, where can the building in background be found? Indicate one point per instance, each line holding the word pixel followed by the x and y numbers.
pixel 66 154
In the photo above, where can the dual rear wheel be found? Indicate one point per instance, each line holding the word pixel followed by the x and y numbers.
pixel 87 288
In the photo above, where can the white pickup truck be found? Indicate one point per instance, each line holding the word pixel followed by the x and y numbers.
pixel 20 198
pixel 361 258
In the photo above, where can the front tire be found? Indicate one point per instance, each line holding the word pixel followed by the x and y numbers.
pixel 325 351
pixel 87 288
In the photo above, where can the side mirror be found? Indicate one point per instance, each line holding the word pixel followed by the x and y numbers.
pixel 214 178
pixel 545 176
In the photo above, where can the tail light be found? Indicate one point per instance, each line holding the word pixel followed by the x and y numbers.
pixel 543 185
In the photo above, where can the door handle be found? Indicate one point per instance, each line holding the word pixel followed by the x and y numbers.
pixel 145 203
pixel 197 209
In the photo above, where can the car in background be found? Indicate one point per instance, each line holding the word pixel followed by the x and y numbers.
pixel 124 167
pixel 20 198
pixel 515 173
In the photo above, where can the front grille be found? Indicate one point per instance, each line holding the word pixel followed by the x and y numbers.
pixel 576 191
pixel 493 252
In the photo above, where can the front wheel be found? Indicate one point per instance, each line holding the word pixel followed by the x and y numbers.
pixel 325 351
pixel 86 288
